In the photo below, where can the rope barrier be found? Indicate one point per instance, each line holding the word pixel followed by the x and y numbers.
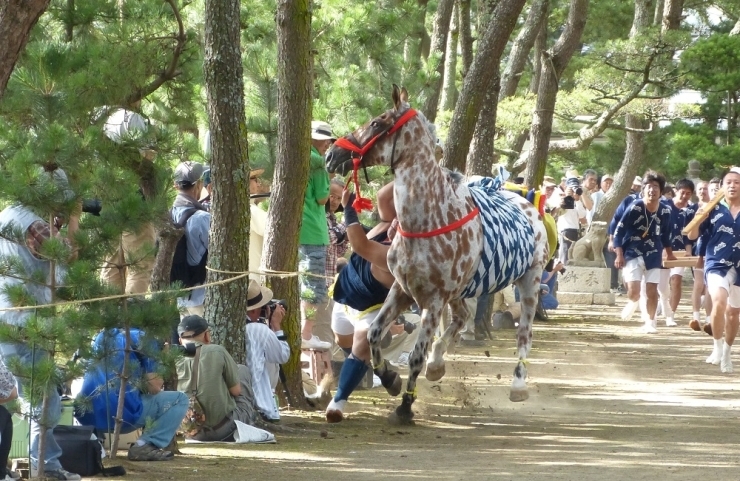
pixel 237 275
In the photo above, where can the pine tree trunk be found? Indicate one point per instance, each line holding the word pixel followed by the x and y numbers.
pixel 17 18
pixel 449 89
pixel 465 37
pixel 475 88
pixel 672 11
pixel 481 156
pixel 553 65
pixel 521 47
pixel 124 377
pixel 659 4
pixel 634 155
pixel 437 55
pixel 291 172
pixel 167 237
pixel 416 46
pixel 226 304
pixel 635 148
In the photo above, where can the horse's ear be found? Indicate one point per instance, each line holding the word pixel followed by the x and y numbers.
pixel 404 94
pixel 396 96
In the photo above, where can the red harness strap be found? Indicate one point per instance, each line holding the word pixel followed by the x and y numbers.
pixel 363 203
pixel 441 230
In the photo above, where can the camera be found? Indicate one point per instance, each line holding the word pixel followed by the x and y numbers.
pixel 569 202
pixel 271 306
pixel 92 206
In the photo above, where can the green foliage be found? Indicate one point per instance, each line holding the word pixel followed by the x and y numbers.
pixel 51 117
pixel 710 64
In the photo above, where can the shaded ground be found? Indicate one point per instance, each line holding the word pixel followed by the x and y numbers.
pixel 606 402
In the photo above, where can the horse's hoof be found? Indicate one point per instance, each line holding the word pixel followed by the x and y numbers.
pixel 392 382
pixel 405 419
pixel 435 374
pixel 518 395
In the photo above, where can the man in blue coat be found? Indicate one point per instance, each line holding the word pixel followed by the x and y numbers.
pixel 145 404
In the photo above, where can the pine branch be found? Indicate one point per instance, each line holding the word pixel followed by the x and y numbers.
pixel 171 72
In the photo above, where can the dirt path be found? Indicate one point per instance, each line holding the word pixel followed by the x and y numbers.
pixel 606 402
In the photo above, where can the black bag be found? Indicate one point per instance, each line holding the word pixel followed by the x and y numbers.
pixel 181 271
pixel 81 454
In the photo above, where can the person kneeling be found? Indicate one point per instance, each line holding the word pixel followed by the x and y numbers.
pixel 158 412
pixel 222 387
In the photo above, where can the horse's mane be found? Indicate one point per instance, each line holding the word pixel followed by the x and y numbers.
pixel 431 128
pixel 455 177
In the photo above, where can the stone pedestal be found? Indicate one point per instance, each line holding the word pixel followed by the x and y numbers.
pixel 585 286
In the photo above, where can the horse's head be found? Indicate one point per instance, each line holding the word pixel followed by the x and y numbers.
pixel 374 142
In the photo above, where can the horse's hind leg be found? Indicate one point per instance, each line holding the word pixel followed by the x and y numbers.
pixel 529 286
pixel 429 320
pixel 436 363
pixel 395 303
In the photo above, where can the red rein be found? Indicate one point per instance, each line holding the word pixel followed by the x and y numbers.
pixel 363 203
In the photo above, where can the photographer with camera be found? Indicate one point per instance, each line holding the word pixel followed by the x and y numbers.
pixel 267 347
pixel 572 214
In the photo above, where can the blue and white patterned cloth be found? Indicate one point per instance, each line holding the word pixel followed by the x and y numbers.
pixel 508 247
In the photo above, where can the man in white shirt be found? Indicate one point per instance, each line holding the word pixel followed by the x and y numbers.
pixel 267 348
pixel 569 220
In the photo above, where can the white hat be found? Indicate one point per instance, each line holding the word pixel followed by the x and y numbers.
pixel 606 176
pixel 257 296
pixel 123 124
pixel 548 181
pixel 321 131
pixel 187 173
pixel 735 170
pixel 637 181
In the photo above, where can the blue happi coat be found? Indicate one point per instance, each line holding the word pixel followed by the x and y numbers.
pixel 718 241
pixel 508 239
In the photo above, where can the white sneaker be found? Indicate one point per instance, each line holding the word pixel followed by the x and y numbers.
pixel 403 360
pixel 315 343
pixel 715 357
pixel 726 364
pixel 648 328
pixel 669 322
pixel 628 310
pixel 335 411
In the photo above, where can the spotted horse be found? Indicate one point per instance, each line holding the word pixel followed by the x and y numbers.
pixel 456 241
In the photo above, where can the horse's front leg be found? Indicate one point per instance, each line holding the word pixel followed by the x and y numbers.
pixel 429 319
pixel 396 302
pixel 529 287
pixel 436 363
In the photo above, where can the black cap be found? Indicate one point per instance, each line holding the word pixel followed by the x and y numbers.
pixel 192 326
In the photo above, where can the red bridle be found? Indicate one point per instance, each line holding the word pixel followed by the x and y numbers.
pixel 358 152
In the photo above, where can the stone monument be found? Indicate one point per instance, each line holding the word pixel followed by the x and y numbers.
pixel 586 279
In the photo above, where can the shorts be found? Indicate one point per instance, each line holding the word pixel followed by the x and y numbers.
pixel 715 280
pixel 634 271
pixel 677 271
pixel 345 320
pixel 313 261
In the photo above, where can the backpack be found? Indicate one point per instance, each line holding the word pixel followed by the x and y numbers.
pixel 81 453
pixel 181 271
